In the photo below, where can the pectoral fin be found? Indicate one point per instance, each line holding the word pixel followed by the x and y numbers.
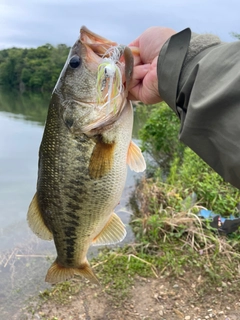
pixel 135 158
pixel 113 232
pixel 36 222
pixel 101 161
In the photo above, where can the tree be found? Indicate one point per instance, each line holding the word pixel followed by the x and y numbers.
pixel 235 35
pixel 35 69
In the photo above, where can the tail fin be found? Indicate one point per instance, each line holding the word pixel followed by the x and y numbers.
pixel 57 273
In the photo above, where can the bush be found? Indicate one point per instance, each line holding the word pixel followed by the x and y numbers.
pixel 194 175
pixel 160 136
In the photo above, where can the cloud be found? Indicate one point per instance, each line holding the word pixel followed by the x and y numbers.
pixel 32 23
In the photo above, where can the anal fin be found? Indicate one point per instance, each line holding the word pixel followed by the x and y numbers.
pixel 135 159
pixel 113 232
pixel 35 221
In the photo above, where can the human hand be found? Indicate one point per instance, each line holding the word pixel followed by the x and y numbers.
pixel 144 84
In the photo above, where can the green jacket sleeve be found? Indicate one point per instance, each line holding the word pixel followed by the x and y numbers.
pixel 199 78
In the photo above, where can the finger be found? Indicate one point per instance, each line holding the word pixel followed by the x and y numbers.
pixel 135 92
pixel 145 89
pixel 132 97
pixel 135 86
pixel 143 94
pixel 139 72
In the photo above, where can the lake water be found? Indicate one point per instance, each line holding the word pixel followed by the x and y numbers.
pixel 23 263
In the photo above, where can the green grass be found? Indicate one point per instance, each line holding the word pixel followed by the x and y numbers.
pixel 61 292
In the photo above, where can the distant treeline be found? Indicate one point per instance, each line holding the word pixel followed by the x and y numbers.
pixel 35 69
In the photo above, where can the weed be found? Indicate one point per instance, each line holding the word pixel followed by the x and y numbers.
pixel 61 293
pixel 175 241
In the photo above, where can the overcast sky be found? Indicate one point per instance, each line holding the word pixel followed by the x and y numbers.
pixel 31 23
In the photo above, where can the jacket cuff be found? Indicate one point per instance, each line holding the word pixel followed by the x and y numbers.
pixel 176 53
pixel 169 66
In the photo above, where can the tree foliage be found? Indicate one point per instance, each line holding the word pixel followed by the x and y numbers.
pixel 235 35
pixel 34 69
pixel 159 136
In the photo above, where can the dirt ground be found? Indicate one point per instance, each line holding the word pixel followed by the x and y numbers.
pixel 149 299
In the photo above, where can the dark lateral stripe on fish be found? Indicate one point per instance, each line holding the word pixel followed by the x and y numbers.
pixel 70 240
pixel 75 196
pixel 72 191
pixel 78 181
pixel 70 231
pixel 74 206
pixel 70 243
pixel 74 217
pixel 69 261
pixel 70 252
pixel 77 185
pixel 73 221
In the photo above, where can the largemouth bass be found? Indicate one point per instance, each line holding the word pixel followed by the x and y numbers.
pixel 83 160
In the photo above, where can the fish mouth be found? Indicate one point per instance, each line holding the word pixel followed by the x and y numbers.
pixel 107 54
pixel 99 45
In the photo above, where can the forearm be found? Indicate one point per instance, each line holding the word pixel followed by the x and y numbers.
pixel 200 80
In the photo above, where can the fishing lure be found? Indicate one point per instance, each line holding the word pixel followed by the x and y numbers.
pixel 109 79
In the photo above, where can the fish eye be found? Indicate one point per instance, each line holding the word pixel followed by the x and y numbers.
pixel 75 62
